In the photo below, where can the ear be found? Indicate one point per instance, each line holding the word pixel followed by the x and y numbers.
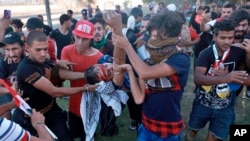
pixel 214 37
pixel 26 48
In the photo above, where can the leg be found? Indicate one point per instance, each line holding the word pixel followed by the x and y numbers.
pixel 135 112
pixel 211 137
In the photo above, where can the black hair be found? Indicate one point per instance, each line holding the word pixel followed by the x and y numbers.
pixel 70 11
pixel 240 15
pixel 229 5
pixel 40 16
pixel 63 18
pixel 124 18
pixel 224 25
pixel 91 75
pixel 98 20
pixel 146 17
pixel 36 36
pixel 136 12
pixel 169 23
pixel 98 15
pixel 17 22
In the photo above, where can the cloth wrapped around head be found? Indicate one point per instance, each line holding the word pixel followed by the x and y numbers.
pixel 161 49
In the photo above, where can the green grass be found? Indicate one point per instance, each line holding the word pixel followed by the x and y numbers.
pixel 242 116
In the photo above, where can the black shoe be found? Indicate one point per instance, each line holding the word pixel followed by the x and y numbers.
pixel 134 125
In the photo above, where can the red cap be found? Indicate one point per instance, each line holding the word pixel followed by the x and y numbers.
pixel 84 29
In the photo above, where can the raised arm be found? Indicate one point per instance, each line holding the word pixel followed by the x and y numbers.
pixel 114 19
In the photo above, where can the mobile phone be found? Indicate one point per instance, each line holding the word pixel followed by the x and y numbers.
pixel 7 14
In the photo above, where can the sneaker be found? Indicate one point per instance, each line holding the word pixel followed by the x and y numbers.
pixel 133 125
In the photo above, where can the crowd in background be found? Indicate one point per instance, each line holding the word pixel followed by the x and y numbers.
pixel 113 59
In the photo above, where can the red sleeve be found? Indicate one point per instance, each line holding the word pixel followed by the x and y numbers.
pixel 194 35
pixel 52 50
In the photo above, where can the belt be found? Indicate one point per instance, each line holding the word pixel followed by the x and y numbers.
pixel 47 108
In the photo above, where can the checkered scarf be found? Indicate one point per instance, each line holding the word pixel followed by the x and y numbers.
pixel 161 49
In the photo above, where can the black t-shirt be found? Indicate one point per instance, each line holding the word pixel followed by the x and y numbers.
pixel 61 40
pixel 47 29
pixel 235 58
pixel 73 23
pixel 28 72
pixel 8 71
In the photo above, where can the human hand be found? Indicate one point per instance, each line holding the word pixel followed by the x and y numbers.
pixel 4 24
pixel 119 69
pixel 37 118
pixel 246 45
pixel 221 71
pixel 236 77
pixel 66 64
pixel 120 41
pixel 112 18
pixel 90 88
pixel 140 42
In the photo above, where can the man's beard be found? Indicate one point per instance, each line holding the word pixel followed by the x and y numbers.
pixel 239 36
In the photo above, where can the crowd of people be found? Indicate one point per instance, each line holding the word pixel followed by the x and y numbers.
pixel 113 59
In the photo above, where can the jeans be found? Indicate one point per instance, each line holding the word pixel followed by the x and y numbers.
pixel 146 135
pixel 219 119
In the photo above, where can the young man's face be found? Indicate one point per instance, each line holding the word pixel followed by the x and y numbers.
pixel 241 29
pixel 99 32
pixel 104 71
pixel 81 43
pixel 226 13
pixel 14 51
pixel 38 51
pixel 223 40
pixel 144 26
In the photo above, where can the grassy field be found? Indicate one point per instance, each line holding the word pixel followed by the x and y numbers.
pixel 242 115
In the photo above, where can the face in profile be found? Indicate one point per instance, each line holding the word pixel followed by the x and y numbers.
pixel 104 71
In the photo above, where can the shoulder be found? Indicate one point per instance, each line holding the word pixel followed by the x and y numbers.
pixel 69 48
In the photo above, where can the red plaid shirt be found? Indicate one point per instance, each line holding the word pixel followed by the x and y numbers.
pixel 163 129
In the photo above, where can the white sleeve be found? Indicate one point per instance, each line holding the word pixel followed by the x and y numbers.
pixel 131 22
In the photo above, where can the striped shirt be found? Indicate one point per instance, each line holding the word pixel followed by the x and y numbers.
pixel 10 131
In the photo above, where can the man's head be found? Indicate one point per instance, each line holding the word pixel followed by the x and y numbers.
pixel 65 20
pixel 37 45
pixel 103 71
pixel 99 25
pixel 118 8
pixel 144 24
pixel 165 25
pixel 70 13
pixel 83 33
pixel 137 13
pixel 40 17
pixel 34 23
pixel 84 13
pixel 161 5
pixel 224 34
pixel 13 46
pixel 241 19
pixel 17 24
pixel 227 10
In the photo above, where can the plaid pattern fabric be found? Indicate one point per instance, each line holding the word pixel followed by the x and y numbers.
pixel 163 129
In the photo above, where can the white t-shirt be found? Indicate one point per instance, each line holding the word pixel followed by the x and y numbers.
pixel 10 131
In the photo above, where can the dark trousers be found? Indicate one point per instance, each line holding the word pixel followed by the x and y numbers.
pixel 135 110
pixel 76 126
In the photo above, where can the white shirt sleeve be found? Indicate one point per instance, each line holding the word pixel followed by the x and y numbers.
pixel 131 22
